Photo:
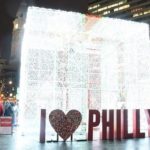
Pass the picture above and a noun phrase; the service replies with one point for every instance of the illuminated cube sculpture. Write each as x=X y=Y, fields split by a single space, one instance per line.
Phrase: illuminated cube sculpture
x=73 y=61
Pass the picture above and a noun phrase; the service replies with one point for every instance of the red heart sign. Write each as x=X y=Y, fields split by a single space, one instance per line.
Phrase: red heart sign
x=65 y=125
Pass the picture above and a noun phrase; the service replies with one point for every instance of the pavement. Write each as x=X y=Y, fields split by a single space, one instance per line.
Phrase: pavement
x=18 y=141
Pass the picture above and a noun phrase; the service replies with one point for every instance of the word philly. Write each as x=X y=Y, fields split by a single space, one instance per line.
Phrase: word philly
x=115 y=124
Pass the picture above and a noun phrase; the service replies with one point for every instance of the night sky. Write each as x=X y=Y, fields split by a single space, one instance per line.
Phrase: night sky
x=8 y=9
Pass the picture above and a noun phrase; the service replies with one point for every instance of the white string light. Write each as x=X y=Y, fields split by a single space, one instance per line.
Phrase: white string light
x=71 y=61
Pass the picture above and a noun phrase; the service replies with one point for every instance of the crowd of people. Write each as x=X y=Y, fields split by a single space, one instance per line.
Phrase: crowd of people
x=8 y=108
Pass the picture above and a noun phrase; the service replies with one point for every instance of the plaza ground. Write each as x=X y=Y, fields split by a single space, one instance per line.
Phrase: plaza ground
x=31 y=142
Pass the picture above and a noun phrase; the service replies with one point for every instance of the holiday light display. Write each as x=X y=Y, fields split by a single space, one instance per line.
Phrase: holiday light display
x=73 y=61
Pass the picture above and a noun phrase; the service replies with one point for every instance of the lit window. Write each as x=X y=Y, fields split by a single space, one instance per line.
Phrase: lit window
x=113 y=5
x=122 y=7
x=89 y=8
x=106 y=12
x=94 y=6
x=135 y=15
x=101 y=9
x=141 y=13
x=120 y=3
x=116 y=9
x=94 y=11
x=147 y=12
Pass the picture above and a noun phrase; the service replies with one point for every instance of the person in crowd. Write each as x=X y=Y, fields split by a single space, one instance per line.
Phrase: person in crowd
x=15 y=111
x=1 y=109
x=8 y=110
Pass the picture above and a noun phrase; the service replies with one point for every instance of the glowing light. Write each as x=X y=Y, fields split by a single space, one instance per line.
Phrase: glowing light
x=10 y=82
x=16 y=26
x=71 y=61
x=10 y=94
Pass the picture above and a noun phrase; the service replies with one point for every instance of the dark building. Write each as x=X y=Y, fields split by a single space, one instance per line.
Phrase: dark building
x=136 y=10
